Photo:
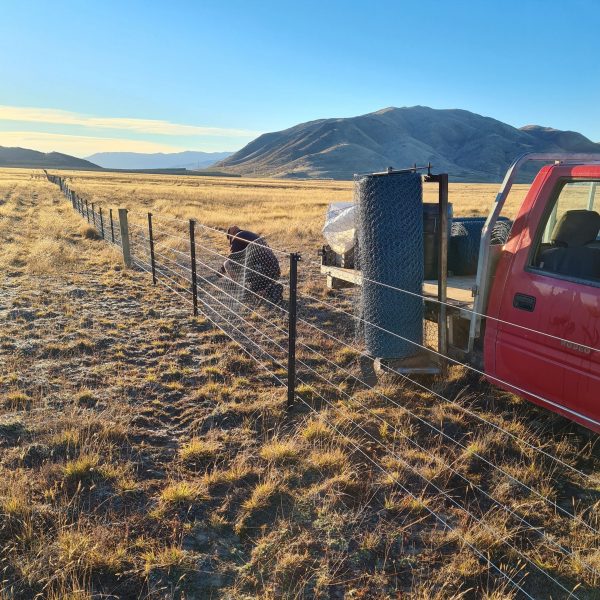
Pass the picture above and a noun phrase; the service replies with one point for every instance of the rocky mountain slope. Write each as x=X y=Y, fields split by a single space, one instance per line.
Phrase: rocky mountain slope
x=469 y=146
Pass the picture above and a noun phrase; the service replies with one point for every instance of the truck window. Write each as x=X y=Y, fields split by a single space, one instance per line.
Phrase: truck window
x=569 y=244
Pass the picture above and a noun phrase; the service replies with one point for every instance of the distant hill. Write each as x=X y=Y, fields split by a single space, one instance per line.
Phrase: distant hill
x=137 y=160
x=21 y=157
x=468 y=146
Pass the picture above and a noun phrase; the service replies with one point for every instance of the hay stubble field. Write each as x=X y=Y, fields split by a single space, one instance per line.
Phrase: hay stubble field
x=142 y=455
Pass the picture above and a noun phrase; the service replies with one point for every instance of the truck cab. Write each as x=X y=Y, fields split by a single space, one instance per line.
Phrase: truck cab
x=541 y=336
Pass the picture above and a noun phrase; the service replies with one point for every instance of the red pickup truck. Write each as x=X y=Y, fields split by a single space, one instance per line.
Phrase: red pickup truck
x=541 y=336
x=529 y=319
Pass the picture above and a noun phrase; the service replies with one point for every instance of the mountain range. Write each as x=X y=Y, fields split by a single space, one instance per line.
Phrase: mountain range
x=32 y=159
x=137 y=160
x=468 y=146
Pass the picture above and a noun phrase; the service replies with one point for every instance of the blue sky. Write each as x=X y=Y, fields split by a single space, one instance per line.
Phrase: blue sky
x=80 y=77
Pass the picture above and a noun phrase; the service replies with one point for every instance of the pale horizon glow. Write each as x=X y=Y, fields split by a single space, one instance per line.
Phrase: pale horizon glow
x=81 y=134
x=80 y=145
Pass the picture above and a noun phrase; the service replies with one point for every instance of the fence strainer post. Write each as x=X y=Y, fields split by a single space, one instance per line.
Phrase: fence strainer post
x=124 y=225
x=292 y=320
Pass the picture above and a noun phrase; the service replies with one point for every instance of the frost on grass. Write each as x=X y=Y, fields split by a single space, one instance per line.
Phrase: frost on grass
x=142 y=455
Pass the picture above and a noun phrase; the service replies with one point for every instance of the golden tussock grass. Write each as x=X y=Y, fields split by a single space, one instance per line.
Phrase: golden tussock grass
x=139 y=448
x=291 y=213
x=198 y=449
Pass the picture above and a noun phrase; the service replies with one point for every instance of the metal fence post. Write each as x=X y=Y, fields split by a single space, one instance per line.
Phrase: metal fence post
x=193 y=265
x=87 y=211
x=124 y=226
x=292 y=321
x=101 y=223
x=112 y=226
x=93 y=216
x=151 y=239
x=443 y=264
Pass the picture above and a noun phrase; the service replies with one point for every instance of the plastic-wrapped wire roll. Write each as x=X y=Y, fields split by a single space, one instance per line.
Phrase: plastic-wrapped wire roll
x=390 y=241
x=465 y=238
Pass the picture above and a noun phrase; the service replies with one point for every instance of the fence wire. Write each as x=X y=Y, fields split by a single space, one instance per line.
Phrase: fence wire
x=253 y=306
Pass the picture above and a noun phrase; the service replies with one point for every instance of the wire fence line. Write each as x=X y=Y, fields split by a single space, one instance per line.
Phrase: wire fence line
x=280 y=335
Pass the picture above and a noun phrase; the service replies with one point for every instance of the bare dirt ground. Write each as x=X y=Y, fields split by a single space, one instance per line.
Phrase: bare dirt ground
x=143 y=455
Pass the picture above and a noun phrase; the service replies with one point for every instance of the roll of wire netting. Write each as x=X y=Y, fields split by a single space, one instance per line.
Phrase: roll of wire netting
x=465 y=239
x=390 y=241
x=252 y=273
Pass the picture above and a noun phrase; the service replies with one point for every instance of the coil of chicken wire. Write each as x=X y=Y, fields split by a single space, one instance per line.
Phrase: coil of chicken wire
x=390 y=242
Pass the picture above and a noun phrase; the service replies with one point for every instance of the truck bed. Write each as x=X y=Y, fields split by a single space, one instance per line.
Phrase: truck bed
x=458 y=290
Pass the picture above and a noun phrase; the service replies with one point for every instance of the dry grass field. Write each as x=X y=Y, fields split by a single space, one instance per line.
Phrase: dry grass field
x=143 y=455
x=290 y=213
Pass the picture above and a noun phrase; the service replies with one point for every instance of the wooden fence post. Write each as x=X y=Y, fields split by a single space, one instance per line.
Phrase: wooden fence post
x=124 y=226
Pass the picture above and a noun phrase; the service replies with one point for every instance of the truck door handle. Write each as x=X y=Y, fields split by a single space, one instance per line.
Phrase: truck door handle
x=524 y=302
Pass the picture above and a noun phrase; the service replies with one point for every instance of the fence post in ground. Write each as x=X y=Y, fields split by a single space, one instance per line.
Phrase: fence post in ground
x=151 y=240
x=112 y=226
x=124 y=226
x=94 y=216
x=101 y=223
x=193 y=265
x=443 y=265
x=87 y=211
x=292 y=320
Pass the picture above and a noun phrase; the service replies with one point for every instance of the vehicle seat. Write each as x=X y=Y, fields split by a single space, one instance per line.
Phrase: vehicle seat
x=574 y=251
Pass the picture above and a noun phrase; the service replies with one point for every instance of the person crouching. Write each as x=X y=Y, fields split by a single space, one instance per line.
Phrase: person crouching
x=253 y=264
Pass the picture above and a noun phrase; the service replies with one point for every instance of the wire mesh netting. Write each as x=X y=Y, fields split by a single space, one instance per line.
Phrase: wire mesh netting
x=253 y=273
x=464 y=242
x=390 y=244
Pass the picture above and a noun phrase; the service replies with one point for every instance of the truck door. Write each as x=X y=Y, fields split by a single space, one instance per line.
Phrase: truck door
x=554 y=288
